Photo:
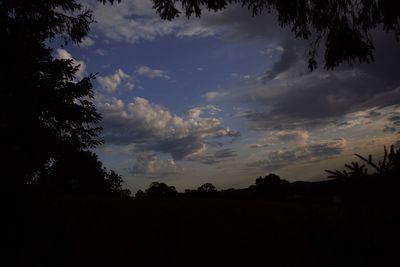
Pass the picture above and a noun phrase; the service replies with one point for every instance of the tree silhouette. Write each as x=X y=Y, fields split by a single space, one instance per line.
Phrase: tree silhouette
x=271 y=186
x=343 y=26
x=140 y=194
x=45 y=111
x=206 y=188
x=79 y=171
x=114 y=183
x=157 y=189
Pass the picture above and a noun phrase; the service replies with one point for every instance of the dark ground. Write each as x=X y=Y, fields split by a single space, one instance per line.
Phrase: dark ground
x=97 y=231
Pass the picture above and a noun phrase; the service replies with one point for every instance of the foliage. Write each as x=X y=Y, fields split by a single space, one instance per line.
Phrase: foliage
x=343 y=26
x=388 y=166
x=206 y=188
x=140 y=194
x=159 y=189
x=46 y=111
x=114 y=182
x=271 y=186
x=79 y=171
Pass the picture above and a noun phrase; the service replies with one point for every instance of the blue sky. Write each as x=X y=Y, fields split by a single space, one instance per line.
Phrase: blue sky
x=227 y=98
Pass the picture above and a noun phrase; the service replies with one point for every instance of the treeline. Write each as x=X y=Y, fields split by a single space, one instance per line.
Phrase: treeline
x=353 y=183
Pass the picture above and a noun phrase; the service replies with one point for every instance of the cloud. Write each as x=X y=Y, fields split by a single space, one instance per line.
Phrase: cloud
x=101 y=52
x=64 y=54
x=218 y=156
x=150 y=127
x=86 y=42
x=112 y=82
x=389 y=129
x=395 y=119
x=151 y=164
x=288 y=57
x=152 y=73
x=258 y=145
x=134 y=21
x=295 y=98
x=214 y=95
x=299 y=137
x=233 y=23
x=130 y=21
x=313 y=152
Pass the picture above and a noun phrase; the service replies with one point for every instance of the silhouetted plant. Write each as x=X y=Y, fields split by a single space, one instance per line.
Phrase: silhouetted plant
x=354 y=170
x=389 y=164
x=157 y=189
x=115 y=181
x=79 y=171
x=357 y=184
x=271 y=186
x=140 y=194
x=206 y=188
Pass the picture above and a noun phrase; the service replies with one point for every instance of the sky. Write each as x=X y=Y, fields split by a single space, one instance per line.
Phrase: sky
x=227 y=98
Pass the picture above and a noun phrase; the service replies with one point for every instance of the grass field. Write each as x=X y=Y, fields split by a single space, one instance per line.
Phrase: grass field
x=98 y=231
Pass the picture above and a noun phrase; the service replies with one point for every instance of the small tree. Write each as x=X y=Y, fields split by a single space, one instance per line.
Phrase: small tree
x=140 y=194
x=79 y=171
x=157 y=189
x=355 y=183
x=206 y=188
x=389 y=166
x=271 y=186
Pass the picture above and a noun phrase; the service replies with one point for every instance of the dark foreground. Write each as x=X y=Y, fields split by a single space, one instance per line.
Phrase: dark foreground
x=97 y=231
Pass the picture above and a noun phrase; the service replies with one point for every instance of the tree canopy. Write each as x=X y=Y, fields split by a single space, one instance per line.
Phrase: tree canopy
x=342 y=27
x=45 y=109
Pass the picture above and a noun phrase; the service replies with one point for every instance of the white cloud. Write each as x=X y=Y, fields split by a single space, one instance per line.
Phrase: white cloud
x=64 y=54
x=101 y=52
x=109 y=105
x=214 y=95
x=86 y=42
x=112 y=82
x=136 y=20
x=131 y=21
x=298 y=137
x=153 y=128
x=151 y=164
x=152 y=73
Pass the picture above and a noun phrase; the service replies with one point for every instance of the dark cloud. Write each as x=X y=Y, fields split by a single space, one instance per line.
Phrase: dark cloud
x=397 y=144
x=389 y=129
x=311 y=153
x=238 y=23
x=264 y=121
x=297 y=98
x=373 y=114
x=394 y=119
x=218 y=156
x=179 y=148
x=288 y=57
x=225 y=153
